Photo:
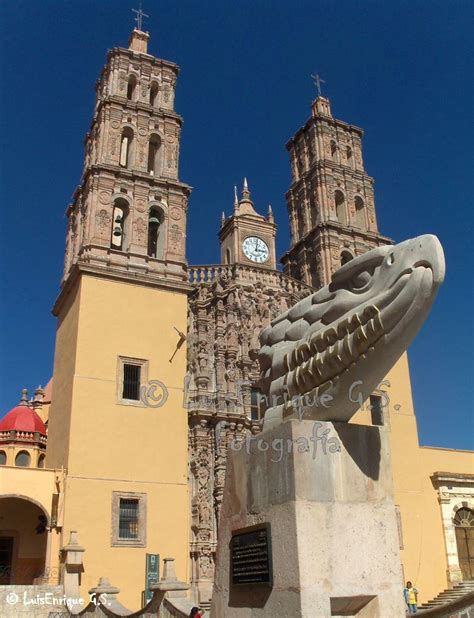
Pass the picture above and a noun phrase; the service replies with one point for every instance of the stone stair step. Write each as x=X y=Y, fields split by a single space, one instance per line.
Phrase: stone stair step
x=449 y=595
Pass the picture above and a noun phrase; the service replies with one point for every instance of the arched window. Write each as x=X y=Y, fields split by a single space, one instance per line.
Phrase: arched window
x=23 y=459
x=340 y=203
x=41 y=459
x=360 y=214
x=349 y=155
x=131 y=87
x=227 y=256
x=119 y=225
x=156 y=236
x=464 y=517
x=333 y=150
x=346 y=256
x=464 y=523
x=154 y=94
x=154 y=156
x=3 y=458
x=126 y=148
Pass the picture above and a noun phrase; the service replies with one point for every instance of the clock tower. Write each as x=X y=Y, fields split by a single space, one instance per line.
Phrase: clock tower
x=247 y=237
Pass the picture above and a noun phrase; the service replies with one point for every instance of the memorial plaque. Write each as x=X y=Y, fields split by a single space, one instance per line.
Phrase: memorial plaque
x=251 y=556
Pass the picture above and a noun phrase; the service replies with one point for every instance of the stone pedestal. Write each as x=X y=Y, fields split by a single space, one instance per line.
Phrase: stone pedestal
x=326 y=490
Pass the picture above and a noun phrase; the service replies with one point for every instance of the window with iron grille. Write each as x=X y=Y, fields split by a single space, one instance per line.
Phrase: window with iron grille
x=132 y=374
x=128 y=518
x=131 y=382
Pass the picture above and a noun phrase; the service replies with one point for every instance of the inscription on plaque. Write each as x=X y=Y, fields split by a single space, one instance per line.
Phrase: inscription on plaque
x=251 y=555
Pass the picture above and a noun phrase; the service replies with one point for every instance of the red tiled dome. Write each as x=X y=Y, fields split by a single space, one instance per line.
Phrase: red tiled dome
x=22 y=418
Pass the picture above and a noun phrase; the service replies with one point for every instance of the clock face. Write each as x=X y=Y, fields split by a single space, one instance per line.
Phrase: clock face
x=255 y=249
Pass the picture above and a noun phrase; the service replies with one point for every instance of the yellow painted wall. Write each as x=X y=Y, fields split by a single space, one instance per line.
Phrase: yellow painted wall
x=424 y=552
x=64 y=369
x=115 y=447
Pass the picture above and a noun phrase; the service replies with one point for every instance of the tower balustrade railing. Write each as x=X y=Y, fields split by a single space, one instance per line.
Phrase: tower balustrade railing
x=208 y=273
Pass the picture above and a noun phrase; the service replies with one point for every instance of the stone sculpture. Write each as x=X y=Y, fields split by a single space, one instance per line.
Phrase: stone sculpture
x=327 y=539
x=354 y=329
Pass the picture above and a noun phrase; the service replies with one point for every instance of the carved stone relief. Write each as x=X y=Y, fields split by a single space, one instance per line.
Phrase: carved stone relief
x=103 y=222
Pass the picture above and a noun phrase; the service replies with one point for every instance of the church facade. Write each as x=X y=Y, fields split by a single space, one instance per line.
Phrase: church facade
x=146 y=341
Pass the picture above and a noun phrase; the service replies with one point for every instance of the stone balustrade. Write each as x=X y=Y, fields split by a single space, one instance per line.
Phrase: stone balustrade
x=208 y=273
x=22 y=436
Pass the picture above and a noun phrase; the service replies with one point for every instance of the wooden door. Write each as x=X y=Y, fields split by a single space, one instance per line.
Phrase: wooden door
x=465 y=543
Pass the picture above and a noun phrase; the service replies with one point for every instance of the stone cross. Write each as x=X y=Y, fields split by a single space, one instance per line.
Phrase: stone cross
x=140 y=16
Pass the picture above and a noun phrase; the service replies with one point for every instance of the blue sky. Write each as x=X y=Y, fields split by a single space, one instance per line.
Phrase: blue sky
x=400 y=70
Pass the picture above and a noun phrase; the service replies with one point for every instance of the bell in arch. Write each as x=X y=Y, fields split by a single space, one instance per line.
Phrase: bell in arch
x=154 y=219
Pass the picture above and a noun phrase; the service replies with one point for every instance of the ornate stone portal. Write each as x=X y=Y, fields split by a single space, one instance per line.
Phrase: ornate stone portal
x=227 y=310
x=321 y=487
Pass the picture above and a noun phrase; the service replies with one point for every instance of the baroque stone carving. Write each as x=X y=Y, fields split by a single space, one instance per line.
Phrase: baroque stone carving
x=103 y=222
x=226 y=313
x=140 y=205
x=104 y=197
x=175 y=213
x=140 y=230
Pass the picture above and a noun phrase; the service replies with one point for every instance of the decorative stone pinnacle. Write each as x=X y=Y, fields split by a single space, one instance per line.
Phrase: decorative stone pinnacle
x=24 y=397
x=270 y=213
x=245 y=190
x=39 y=394
x=236 y=199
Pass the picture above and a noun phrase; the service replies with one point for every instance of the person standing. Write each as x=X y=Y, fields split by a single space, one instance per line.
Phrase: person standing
x=411 y=597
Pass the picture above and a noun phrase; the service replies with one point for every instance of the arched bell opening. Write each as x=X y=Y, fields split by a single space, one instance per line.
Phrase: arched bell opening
x=156 y=236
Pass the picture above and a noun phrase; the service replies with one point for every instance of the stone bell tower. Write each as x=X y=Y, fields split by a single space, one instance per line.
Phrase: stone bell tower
x=128 y=215
x=117 y=414
x=331 y=198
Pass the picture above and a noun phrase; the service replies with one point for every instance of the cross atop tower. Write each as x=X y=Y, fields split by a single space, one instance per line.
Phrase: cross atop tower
x=140 y=16
x=317 y=82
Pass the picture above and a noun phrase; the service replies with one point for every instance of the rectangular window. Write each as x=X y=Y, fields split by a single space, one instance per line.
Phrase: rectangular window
x=376 y=410
x=128 y=519
x=131 y=382
x=132 y=375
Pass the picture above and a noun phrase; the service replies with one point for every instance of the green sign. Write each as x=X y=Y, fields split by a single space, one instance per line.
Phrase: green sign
x=152 y=574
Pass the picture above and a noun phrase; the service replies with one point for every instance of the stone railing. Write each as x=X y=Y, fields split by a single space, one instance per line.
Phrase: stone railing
x=22 y=436
x=207 y=273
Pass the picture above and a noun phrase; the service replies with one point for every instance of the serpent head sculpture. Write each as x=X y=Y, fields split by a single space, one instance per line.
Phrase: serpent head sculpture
x=352 y=330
